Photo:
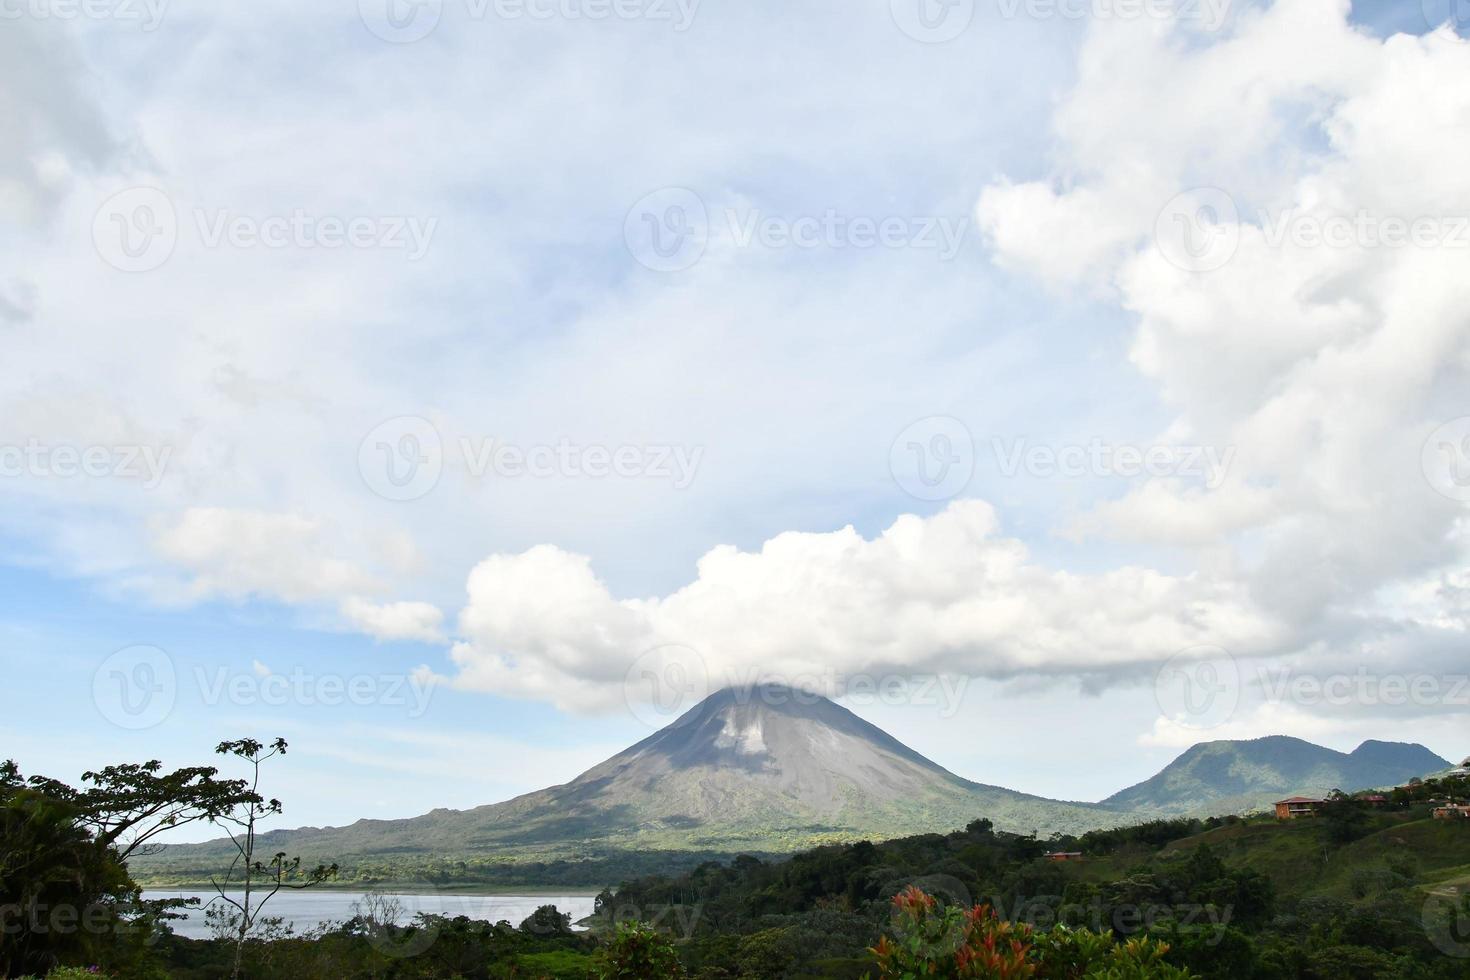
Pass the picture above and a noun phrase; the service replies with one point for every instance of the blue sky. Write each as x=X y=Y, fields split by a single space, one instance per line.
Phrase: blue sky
x=180 y=281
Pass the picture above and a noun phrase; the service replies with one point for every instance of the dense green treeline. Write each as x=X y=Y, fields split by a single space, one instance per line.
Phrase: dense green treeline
x=1359 y=891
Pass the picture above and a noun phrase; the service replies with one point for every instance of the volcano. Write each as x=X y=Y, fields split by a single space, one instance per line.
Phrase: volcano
x=765 y=769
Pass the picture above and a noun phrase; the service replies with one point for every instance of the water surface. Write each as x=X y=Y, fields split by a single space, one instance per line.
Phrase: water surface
x=310 y=908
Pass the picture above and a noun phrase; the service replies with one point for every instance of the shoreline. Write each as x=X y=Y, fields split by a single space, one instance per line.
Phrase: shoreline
x=408 y=887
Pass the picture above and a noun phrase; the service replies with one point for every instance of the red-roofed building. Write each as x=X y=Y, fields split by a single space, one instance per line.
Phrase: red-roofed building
x=1297 y=806
x=1063 y=855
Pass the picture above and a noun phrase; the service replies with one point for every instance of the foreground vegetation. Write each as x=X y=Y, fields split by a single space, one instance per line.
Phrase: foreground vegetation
x=1355 y=892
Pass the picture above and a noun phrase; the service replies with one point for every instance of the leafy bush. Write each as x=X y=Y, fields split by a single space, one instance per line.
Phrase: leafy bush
x=944 y=941
x=933 y=940
x=637 y=952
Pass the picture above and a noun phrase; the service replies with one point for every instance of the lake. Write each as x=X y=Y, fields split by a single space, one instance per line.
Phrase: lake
x=309 y=908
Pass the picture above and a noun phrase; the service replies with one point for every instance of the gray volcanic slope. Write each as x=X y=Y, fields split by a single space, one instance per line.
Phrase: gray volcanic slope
x=748 y=769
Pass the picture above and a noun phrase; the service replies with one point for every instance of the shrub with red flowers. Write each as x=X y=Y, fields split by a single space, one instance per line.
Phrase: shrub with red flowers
x=931 y=939
x=944 y=941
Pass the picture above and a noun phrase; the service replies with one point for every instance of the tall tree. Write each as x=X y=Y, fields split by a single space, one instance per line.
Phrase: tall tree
x=258 y=881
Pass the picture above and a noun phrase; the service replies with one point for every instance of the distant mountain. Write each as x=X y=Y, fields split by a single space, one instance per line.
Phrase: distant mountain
x=761 y=769
x=770 y=770
x=1235 y=776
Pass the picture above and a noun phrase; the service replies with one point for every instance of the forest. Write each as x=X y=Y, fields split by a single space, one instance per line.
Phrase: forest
x=1366 y=888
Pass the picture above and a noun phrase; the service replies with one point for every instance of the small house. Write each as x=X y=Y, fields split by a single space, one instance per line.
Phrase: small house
x=1063 y=855
x=1297 y=806
x=1452 y=811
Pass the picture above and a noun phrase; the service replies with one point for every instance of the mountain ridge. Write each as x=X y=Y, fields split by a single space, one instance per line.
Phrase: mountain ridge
x=1245 y=774
x=769 y=769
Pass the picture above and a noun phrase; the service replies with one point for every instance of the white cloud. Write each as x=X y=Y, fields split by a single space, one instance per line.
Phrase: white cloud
x=289 y=558
x=944 y=594
x=238 y=554
x=1324 y=367
x=263 y=369
x=420 y=621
